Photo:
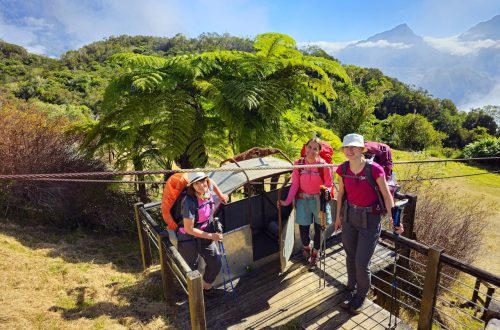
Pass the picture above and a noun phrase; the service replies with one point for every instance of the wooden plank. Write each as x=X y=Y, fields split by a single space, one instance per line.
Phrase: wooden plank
x=143 y=238
x=266 y=299
x=196 y=300
x=431 y=282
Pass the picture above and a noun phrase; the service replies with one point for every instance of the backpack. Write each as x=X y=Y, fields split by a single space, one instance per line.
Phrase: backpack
x=174 y=193
x=171 y=204
x=382 y=155
x=326 y=152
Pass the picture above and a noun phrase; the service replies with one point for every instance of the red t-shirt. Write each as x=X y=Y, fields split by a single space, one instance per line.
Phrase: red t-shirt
x=360 y=192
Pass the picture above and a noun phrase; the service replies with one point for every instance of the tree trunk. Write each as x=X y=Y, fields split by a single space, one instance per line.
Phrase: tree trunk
x=143 y=194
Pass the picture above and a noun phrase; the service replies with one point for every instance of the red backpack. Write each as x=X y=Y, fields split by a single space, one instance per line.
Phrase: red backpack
x=326 y=152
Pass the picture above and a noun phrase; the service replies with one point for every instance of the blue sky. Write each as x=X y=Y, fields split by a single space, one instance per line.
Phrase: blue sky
x=52 y=27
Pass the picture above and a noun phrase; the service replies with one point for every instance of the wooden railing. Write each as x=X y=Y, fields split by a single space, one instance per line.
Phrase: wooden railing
x=173 y=266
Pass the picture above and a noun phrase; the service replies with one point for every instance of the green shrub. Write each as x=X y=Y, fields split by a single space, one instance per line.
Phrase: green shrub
x=489 y=147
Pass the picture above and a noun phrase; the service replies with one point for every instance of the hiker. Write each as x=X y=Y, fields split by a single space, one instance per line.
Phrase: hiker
x=196 y=236
x=173 y=193
x=305 y=189
x=359 y=214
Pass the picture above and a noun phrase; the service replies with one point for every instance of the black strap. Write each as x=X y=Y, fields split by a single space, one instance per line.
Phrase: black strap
x=369 y=177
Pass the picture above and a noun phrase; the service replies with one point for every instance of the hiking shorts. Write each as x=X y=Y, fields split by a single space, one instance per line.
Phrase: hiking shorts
x=308 y=208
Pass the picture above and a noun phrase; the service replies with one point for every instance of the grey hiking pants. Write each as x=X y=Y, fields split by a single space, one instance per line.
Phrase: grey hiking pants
x=359 y=245
x=191 y=249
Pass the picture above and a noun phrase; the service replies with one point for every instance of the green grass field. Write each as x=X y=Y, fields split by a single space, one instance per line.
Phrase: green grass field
x=73 y=280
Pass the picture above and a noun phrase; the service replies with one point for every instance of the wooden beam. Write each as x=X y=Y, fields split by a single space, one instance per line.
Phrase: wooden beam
x=143 y=238
x=196 y=302
x=431 y=283
x=167 y=276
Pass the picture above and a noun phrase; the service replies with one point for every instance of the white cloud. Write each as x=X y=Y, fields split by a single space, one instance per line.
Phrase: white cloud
x=478 y=101
x=37 y=23
x=383 y=44
x=455 y=46
x=60 y=25
x=24 y=35
x=330 y=47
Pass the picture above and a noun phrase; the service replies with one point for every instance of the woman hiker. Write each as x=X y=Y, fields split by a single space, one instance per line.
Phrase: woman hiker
x=359 y=214
x=197 y=236
x=305 y=189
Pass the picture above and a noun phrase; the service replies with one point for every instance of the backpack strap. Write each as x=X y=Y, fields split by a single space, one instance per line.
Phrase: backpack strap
x=344 y=173
x=320 y=172
x=373 y=183
x=368 y=177
x=197 y=208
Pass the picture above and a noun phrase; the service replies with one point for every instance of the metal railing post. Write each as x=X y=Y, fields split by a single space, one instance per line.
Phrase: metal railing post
x=143 y=239
x=431 y=283
x=196 y=302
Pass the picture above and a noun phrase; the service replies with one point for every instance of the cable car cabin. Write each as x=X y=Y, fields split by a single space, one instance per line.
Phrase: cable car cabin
x=254 y=231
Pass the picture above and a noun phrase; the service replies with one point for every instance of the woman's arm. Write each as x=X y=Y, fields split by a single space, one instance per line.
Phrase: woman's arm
x=388 y=201
x=191 y=230
x=327 y=178
x=293 y=189
x=340 y=198
x=222 y=197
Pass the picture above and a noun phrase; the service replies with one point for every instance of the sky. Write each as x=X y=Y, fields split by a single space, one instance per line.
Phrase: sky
x=52 y=27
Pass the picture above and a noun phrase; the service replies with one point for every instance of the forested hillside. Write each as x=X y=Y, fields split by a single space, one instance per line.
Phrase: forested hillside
x=146 y=102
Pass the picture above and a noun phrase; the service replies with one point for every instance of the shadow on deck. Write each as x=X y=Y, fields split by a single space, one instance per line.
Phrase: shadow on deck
x=294 y=299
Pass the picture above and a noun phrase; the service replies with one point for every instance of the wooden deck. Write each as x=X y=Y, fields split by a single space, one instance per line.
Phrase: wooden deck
x=267 y=299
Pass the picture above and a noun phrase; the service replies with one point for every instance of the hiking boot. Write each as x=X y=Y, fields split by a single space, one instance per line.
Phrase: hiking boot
x=212 y=293
x=306 y=252
x=356 y=305
x=346 y=303
x=313 y=260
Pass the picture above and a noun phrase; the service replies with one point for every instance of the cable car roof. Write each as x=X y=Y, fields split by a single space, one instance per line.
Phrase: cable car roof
x=230 y=181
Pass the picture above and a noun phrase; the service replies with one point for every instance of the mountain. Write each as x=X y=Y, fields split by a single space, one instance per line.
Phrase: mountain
x=483 y=30
x=465 y=69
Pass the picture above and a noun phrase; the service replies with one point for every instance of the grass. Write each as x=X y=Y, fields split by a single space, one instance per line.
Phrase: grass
x=74 y=280
x=485 y=188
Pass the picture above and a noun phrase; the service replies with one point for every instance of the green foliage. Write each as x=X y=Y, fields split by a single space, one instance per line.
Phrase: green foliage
x=489 y=147
x=479 y=118
x=411 y=132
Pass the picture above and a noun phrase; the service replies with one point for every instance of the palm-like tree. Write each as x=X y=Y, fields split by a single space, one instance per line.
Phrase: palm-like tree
x=191 y=106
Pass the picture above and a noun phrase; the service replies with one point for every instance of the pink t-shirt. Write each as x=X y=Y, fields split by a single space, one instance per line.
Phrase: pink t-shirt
x=204 y=210
x=360 y=192
x=310 y=180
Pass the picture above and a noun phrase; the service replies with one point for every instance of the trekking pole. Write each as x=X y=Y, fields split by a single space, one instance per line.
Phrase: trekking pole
x=216 y=228
x=224 y=259
x=322 y=219
x=396 y=217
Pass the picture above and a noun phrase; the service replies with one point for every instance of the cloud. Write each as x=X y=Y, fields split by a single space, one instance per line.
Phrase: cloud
x=383 y=44
x=480 y=100
x=455 y=46
x=330 y=47
x=25 y=35
x=61 y=25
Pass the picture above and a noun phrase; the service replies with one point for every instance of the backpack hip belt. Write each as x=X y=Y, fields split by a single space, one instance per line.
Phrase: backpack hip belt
x=307 y=196
x=368 y=209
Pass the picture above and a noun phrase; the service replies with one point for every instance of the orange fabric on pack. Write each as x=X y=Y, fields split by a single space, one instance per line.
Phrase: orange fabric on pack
x=173 y=188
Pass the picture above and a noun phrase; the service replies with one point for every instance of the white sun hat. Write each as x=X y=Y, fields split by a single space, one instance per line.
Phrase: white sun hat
x=353 y=140
x=196 y=176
